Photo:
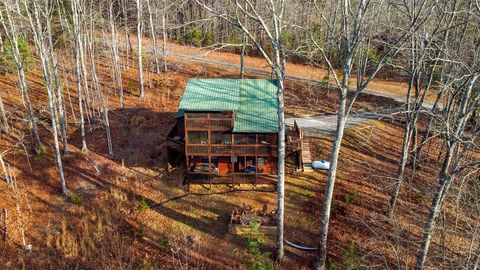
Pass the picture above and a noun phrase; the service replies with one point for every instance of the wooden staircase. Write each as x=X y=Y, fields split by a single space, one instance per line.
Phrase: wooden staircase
x=306 y=157
x=297 y=143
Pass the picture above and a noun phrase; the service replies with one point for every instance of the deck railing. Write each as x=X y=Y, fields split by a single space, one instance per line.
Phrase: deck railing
x=202 y=124
x=230 y=150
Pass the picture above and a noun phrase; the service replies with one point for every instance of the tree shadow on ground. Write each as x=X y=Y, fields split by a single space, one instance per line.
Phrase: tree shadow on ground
x=138 y=137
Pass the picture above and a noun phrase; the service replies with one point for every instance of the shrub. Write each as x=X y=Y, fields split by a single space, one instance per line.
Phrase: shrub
x=351 y=260
x=256 y=259
x=41 y=152
x=208 y=39
x=350 y=197
x=143 y=205
x=132 y=89
x=331 y=265
x=7 y=61
x=325 y=80
x=196 y=37
x=75 y=199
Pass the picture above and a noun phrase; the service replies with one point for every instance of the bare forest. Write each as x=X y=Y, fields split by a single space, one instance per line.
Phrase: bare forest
x=387 y=92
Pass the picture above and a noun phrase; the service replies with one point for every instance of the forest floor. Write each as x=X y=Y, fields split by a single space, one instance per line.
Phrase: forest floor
x=105 y=221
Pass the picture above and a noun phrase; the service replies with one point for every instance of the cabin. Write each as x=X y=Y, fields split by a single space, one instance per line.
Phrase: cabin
x=227 y=131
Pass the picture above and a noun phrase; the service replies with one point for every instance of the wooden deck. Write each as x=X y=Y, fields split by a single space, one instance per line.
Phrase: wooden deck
x=232 y=178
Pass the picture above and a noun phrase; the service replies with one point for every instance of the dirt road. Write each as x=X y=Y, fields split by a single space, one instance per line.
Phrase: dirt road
x=204 y=60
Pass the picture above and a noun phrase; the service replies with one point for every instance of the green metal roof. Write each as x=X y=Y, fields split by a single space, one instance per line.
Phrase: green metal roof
x=253 y=101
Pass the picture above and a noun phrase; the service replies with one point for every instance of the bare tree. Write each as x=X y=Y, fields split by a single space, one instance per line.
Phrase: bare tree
x=139 y=46
x=243 y=48
x=420 y=67
x=455 y=127
x=79 y=70
x=38 y=32
x=12 y=34
x=354 y=43
x=117 y=74
x=164 y=35
x=153 y=35
x=268 y=18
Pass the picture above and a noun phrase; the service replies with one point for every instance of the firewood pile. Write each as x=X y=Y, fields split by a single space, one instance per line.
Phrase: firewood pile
x=244 y=214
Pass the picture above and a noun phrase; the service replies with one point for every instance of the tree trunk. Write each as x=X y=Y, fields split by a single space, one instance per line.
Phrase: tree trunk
x=139 y=45
x=117 y=74
x=40 y=41
x=107 y=129
x=426 y=135
x=281 y=173
x=476 y=261
x=1 y=44
x=446 y=176
x=5 y=127
x=440 y=190
x=401 y=169
x=406 y=136
x=164 y=36
x=244 y=43
x=21 y=75
x=61 y=112
x=78 y=70
x=129 y=49
x=321 y=261
x=154 y=37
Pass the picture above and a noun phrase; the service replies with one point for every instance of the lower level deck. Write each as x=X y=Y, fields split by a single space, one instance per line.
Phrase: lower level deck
x=232 y=178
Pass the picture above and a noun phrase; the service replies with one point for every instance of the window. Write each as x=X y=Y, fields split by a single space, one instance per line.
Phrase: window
x=221 y=138
x=198 y=137
x=266 y=165
x=261 y=161
x=245 y=139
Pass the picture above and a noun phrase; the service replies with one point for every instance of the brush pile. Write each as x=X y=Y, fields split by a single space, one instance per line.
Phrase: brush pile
x=244 y=214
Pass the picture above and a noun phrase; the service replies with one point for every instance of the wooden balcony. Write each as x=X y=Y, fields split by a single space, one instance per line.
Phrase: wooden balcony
x=208 y=124
x=232 y=150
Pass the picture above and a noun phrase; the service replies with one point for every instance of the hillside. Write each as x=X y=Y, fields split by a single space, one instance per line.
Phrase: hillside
x=106 y=221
